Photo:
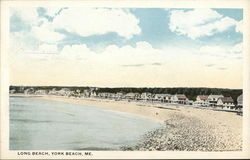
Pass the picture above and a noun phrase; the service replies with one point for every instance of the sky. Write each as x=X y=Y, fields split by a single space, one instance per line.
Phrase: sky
x=126 y=47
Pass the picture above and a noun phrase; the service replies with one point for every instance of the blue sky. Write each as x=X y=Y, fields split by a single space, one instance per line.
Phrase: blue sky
x=202 y=34
x=153 y=23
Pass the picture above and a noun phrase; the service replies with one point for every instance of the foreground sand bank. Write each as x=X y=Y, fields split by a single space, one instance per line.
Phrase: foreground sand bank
x=191 y=128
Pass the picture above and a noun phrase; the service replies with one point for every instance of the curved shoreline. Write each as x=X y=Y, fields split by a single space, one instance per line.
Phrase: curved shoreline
x=191 y=128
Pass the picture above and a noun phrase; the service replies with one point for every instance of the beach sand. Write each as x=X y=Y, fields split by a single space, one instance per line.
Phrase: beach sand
x=188 y=128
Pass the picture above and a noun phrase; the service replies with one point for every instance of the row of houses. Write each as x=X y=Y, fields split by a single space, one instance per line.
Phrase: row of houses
x=201 y=100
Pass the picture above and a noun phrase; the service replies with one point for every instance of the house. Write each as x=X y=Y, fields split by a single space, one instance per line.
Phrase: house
x=168 y=98
x=179 y=98
x=226 y=102
x=29 y=91
x=12 y=91
x=240 y=102
x=146 y=96
x=86 y=93
x=93 y=94
x=77 y=93
x=104 y=95
x=53 y=92
x=65 y=92
x=41 y=92
x=133 y=96
x=161 y=97
x=212 y=99
x=202 y=100
x=119 y=95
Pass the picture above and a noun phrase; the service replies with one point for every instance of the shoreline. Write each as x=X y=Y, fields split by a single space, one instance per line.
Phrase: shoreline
x=191 y=128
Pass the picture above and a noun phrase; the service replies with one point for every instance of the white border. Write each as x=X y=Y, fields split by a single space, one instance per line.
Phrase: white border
x=245 y=4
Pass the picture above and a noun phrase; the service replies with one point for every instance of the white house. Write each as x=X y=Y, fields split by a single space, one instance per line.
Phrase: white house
x=29 y=91
x=119 y=95
x=41 y=92
x=202 y=100
x=103 y=94
x=65 y=92
x=240 y=102
x=179 y=98
x=53 y=92
x=212 y=99
x=93 y=94
x=168 y=98
x=146 y=96
x=86 y=93
x=133 y=96
x=12 y=91
x=226 y=102
x=161 y=97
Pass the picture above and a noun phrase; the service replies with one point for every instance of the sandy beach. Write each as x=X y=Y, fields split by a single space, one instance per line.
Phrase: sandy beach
x=187 y=128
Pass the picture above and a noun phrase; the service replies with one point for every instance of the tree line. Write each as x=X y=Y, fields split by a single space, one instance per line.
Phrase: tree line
x=191 y=93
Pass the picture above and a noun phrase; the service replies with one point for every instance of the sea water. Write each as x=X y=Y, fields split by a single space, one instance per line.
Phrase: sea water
x=37 y=124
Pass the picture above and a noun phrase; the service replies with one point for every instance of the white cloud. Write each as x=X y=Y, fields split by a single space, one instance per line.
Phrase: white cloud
x=95 y=21
x=237 y=48
x=76 y=52
x=239 y=26
x=47 y=35
x=48 y=48
x=199 y=22
x=28 y=14
x=222 y=51
x=52 y=11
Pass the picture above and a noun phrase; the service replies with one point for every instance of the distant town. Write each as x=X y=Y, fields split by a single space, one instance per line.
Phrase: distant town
x=215 y=98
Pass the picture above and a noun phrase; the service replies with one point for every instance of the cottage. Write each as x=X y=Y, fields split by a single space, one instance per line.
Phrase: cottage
x=168 y=98
x=202 y=100
x=133 y=96
x=226 y=102
x=160 y=97
x=240 y=102
x=179 y=98
x=212 y=99
x=93 y=94
x=146 y=96
x=65 y=92
x=86 y=93
x=53 y=92
x=12 y=91
x=41 y=92
x=119 y=95
x=103 y=94
x=29 y=91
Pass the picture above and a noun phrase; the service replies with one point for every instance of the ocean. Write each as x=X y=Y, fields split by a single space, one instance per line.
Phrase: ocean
x=37 y=124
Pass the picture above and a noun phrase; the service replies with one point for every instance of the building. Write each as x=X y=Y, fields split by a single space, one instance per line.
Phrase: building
x=29 y=91
x=12 y=91
x=93 y=94
x=65 y=92
x=146 y=96
x=53 y=92
x=119 y=95
x=160 y=97
x=86 y=93
x=202 y=100
x=179 y=98
x=132 y=96
x=41 y=92
x=103 y=94
x=168 y=98
x=226 y=103
x=212 y=99
x=240 y=102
